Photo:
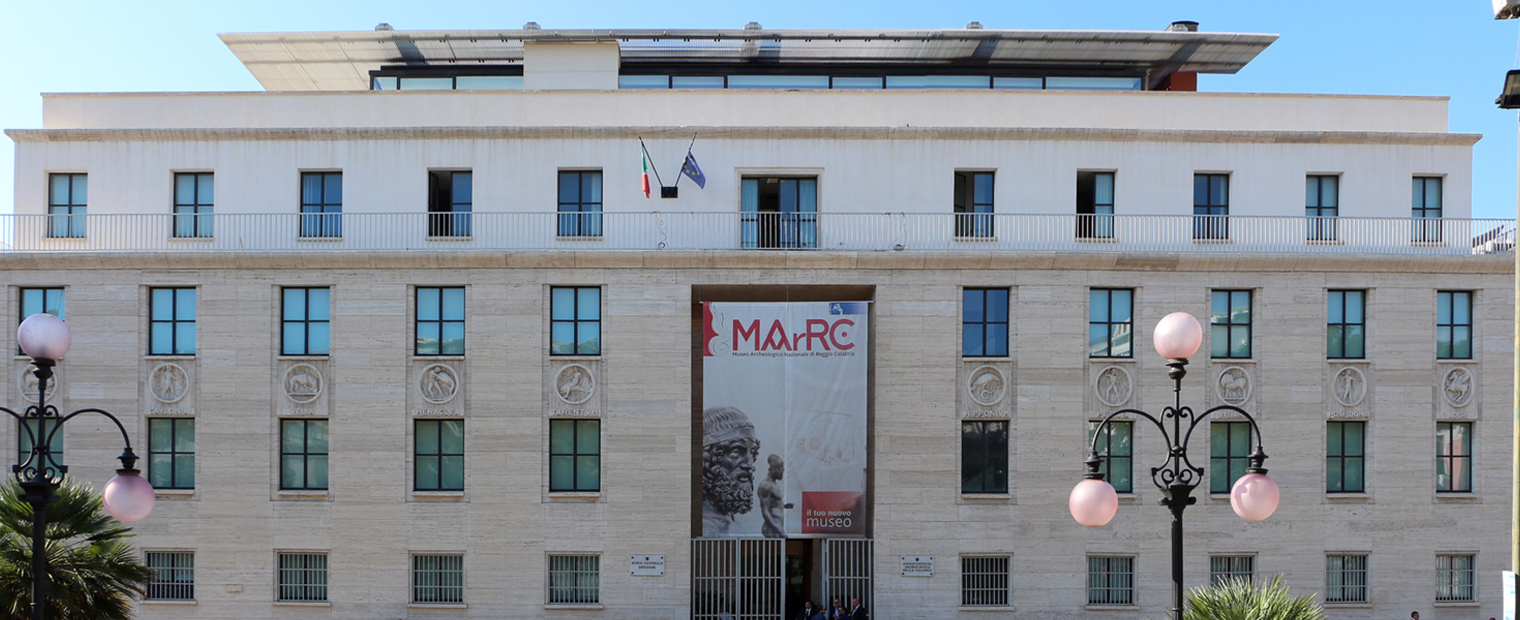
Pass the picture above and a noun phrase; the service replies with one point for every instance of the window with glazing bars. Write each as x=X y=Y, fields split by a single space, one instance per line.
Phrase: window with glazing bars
x=1115 y=449
x=1230 y=324
x=1110 y=580
x=173 y=575
x=984 y=457
x=302 y=577
x=1345 y=325
x=303 y=454
x=973 y=204
x=440 y=321
x=1211 y=206
x=450 y=199
x=1426 y=209
x=321 y=204
x=1454 y=325
x=194 y=197
x=1454 y=457
x=1345 y=457
x=1454 y=578
x=580 y=203
x=1095 y=205
x=1229 y=452
x=1224 y=568
x=438 y=578
x=171 y=453
x=171 y=321
x=1345 y=579
x=1322 y=205
x=39 y=301
x=306 y=321
x=575 y=455
x=30 y=428
x=984 y=322
x=574 y=579
x=439 y=455
x=67 y=201
x=575 y=320
x=1109 y=322
x=984 y=581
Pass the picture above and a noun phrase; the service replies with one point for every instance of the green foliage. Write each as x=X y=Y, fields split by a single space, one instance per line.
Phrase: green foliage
x=92 y=571
x=1239 y=599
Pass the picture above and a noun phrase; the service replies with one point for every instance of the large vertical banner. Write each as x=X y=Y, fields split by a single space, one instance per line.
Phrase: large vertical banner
x=784 y=419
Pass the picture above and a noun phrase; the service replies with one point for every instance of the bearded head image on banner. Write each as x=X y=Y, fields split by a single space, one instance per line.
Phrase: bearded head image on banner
x=729 y=451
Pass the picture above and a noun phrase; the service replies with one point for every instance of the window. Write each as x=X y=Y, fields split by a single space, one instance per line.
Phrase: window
x=1224 y=568
x=1345 y=579
x=67 y=198
x=1230 y=324
x=973 y=204
x=984 y=457
x=193 y=198
x=1427 y=209
x=1454 y=578
x=173 y=575
x=574 y=579
x=1454 y=457
x=1345 y=325
x=1230 y=447
x=1109 y=322
x=575 y=320
x=171 y=453
x=303 y=577
x=1095 y=205
x=984 y=581
x=439 y=455
x=1211 y=206
x=778 y=212
x=32 y=429
x=1115 y=448
x=1345 y=457
x=440 y=321
x=321 y=204
x=303 y=454
x=575 y=455
x=41 y=300
x=1454 y=325
x=580 y=203
x=1110 y=580
x=305 y=321
x=449 y=203
x=171 y=321
x=438 y=578
x=984 y=322
x=1322 y=205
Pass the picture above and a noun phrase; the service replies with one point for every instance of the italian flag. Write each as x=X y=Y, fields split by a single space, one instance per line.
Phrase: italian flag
x=644 y=161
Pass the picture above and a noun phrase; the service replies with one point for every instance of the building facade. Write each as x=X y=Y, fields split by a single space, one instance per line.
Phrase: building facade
x=404 y=336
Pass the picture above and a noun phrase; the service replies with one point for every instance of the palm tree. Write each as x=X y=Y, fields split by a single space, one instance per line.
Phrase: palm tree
x=1240 y=599
x=92 y=571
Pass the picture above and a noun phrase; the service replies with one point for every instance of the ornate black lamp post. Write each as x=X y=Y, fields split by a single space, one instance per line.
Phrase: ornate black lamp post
x=128 y=497
x=1254 y=497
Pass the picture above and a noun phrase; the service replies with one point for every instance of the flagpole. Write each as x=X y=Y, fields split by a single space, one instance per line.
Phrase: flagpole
x=682 y=172
x=651 y=162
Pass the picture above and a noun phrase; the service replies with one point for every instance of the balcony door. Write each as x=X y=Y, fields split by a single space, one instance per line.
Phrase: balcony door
x=779 y=213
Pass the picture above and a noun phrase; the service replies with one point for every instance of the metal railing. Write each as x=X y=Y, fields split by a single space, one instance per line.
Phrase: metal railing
x=762 y=231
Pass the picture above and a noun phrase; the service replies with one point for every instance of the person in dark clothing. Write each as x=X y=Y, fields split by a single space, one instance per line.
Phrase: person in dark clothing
x=858 y=611
x=807 y=612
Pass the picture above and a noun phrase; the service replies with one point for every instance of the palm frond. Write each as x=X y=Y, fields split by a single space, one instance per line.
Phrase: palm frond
x=1241 y=599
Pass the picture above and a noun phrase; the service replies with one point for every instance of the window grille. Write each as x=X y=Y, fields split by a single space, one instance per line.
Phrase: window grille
x=574 y=579
x=173 y=575
x=1110 y=580
x=1454 y=578
x=303 y=577
x=1345 y=579
x=984 y=581
x=1224 y=568
x=438 y=579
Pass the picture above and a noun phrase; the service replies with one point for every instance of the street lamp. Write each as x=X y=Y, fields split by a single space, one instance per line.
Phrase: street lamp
x=45 y=338
x=1254 y=497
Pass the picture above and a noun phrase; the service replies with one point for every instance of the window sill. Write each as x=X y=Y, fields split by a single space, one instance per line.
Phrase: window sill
x=303 y=494
x=986 y=497
x=303 y=603
x=303 y=357
x=174 y=493
x=1003 y=608
x=448 y=357
x=1349 y=497
x=190 y=238
x=1129 y=498
x=986 y=358
x=437 y=496
x=437 y=605
x=1456 y=603
x=320 y=239
x=1458 y=497
x=575 y=496
x=578 y=238
x=151 y=601
x=1357 y=605
x=1112 y=608
x=170 y=357
x=573 y=606
x=1454 y=360
x=575 y=358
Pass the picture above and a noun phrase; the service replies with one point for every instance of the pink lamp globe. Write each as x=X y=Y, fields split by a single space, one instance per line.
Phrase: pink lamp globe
x=1178 y=336
x=44 y=336
x=128 y=497
x=1254 y=497
x=1093 y=502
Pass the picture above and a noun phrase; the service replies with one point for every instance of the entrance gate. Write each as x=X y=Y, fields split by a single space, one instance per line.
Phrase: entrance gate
x=847 y=570
x=744 y=578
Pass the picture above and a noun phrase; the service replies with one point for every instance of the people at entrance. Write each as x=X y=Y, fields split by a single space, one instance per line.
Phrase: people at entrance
x=771 y=501
x=858 y=611
x=729 y=450
x=808 y=611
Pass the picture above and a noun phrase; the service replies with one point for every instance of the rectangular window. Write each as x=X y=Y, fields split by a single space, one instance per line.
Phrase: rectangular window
x=575 y=320
x=1224 y=568
x=1211 y=206
x=439 y=455
x=450 y=199
x=1322 y=205
x=321 y=204
x=303 y=454
x=1230 y=324
x=575 y=455
x=1426 y=209
x=173 y=575
x=67 y=199
x=1110 y=580
x=171 y=453
x=32 y=429
x=1116 y=449
x=1229 y=449
x=1345 y=579
x=574 y=579
x=1454 y=578
x=194 y=196
x=1345 y=457
x=39 y=301
x=438 y=578
x=984 y=457
x=171 y=321
x=305 y=321
x=984 y=581
x=1345 y=325
x=973 y=204
x=440 y=321
x=778 y=213
x=1095 y=205
x=1454 y=457
x=1110 y=322
x=580 y=203
x=984 y=322
x=1454 y=325
x=302 y=577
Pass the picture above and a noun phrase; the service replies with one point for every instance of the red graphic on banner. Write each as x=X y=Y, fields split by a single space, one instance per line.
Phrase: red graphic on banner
x=708 y=333
x=833 y=512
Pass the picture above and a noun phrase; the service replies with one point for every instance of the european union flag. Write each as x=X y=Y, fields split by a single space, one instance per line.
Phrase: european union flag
x=691 y=169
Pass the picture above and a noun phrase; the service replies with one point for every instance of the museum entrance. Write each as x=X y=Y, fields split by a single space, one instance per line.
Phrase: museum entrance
x=769 y=578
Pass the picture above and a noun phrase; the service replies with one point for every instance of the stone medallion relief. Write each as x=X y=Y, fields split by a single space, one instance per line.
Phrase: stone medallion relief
x=438 y=384
x=986 y=386
x=1234 y=385
x=169 y=383
x=1457 y=387
x=303 y=383
x=1349 y=387
x=575 y=384
x=1113 y=386
x=28 y=383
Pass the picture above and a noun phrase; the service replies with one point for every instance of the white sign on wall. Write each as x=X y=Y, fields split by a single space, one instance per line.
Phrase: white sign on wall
x=646 y=565
x=918 y=566
x=1509 y=595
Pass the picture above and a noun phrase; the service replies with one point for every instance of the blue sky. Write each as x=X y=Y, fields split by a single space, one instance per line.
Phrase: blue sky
x=1394 y=47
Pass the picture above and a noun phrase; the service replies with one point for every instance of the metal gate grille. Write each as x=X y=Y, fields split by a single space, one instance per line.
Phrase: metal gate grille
x=738 y=578
x=847 y=570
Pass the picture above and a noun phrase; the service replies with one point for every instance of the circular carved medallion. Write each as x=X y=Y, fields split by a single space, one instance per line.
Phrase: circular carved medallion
x=575 y=384
x=29 y=383
x=1349 y=386
x=1234 y=385
x=169 y=383
x=1458 y=387
x=303 y=383
x=1113 y=386
x=438 y=384
x=986 y=386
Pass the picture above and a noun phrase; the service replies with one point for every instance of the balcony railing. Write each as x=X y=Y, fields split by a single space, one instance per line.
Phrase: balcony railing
x=759 y=231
